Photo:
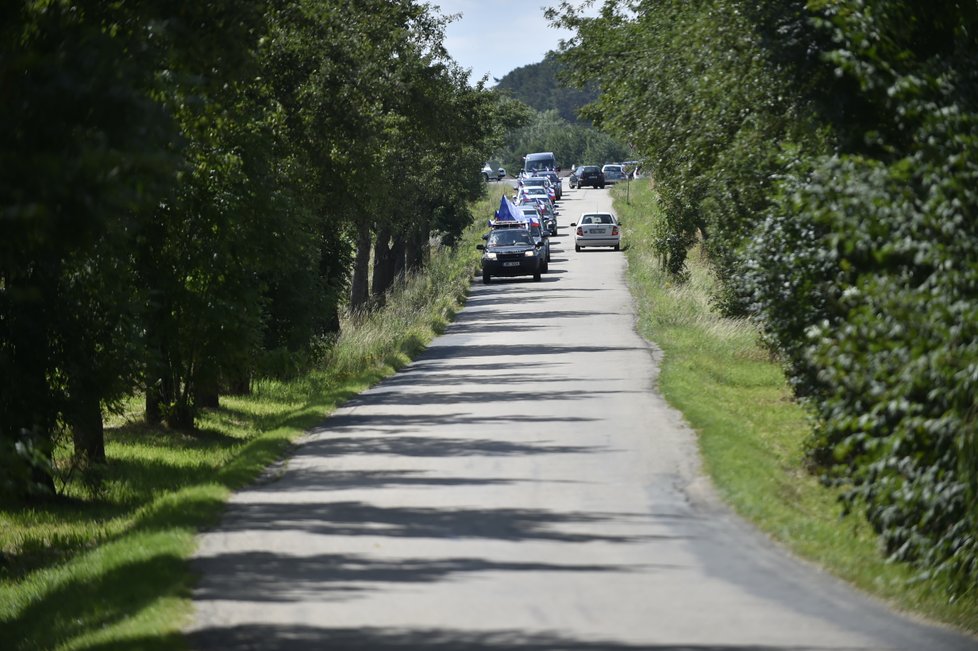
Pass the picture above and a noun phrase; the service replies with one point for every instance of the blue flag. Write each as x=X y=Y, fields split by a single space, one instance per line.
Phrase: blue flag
x=508 y=211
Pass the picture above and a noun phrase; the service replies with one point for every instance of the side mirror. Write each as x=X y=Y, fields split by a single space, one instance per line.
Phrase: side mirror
x=486 y=236
x=558 y=170
x=480 y=247
x=573 y=223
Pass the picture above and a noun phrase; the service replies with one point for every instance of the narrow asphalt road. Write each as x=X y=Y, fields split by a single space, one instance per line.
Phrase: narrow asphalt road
x=521 y=486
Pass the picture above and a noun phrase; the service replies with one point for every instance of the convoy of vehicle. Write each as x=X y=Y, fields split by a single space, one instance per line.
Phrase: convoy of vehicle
x=518 y=241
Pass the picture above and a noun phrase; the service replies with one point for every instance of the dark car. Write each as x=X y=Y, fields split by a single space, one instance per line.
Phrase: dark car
x=510 y=252
x=590 y=175
x=533 y=223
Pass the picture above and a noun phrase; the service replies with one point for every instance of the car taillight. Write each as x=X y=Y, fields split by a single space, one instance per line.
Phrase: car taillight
x=614 y=230
x=580 y=231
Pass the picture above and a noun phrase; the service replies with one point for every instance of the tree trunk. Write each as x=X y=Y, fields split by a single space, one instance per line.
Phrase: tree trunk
x=416 y=250
x=159 y=394
x=182 y=411
x=383 y=268
x=360 y=286
x=154 y=407
x=87 y=430
x=398 y=251
x=182 y=415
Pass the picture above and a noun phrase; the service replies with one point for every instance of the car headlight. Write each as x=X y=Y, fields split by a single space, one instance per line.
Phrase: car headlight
x=490 y=256
x=529 y=254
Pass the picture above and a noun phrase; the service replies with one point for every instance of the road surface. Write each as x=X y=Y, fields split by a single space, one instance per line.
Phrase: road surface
x=520 y=486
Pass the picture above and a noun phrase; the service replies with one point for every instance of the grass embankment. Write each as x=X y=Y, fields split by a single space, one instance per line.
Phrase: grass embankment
x=751 y=432
x=105 y=567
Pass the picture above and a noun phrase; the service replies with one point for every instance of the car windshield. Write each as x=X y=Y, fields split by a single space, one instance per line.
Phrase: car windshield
x=510 y=237
x=597 y=219
x=589 y=169
x=534 y=182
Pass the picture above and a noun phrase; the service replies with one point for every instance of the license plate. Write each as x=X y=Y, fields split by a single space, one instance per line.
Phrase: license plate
x=511 y=264
x=597 y=231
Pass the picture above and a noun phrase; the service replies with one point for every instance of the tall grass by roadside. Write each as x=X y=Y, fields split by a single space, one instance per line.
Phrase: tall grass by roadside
x=105 y=567
x=751 y=432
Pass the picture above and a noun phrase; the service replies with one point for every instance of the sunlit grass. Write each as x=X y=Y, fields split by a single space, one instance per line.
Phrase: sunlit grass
x=105 y=566
x=750 y=430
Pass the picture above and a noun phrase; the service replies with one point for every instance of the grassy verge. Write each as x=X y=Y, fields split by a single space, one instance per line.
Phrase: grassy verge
x=106 y=566
x=751 y=432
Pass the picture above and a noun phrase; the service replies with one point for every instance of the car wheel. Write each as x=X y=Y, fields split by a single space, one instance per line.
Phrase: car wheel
x=577 y=247
x=602 y=186
x=617 y=247
x=536 y=276
x=485 y=278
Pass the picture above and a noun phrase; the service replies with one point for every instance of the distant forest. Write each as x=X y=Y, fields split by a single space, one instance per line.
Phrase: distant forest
x=537 y=85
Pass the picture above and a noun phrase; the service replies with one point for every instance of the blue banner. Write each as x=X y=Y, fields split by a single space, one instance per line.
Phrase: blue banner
x=508 y=211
